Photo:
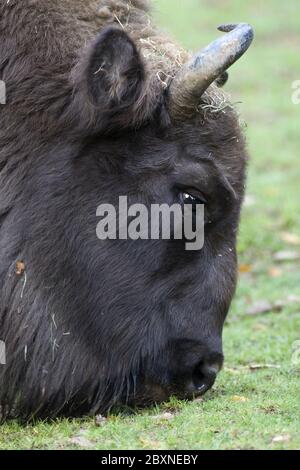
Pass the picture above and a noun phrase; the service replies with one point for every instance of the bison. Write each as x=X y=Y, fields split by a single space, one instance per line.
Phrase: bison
x=99 y=104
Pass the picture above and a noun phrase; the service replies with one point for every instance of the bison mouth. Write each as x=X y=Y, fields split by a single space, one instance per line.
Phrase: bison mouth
x=187 y=387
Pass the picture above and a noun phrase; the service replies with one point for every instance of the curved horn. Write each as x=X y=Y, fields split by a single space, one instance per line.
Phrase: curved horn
x=197 y=75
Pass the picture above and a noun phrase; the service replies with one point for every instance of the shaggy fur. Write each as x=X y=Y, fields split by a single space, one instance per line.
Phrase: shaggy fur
x=88 y=324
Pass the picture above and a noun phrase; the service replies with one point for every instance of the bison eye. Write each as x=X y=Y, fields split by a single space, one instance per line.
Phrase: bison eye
x=192 y=198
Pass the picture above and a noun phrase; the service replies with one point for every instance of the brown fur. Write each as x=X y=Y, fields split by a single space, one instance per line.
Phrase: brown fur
x=43 y=40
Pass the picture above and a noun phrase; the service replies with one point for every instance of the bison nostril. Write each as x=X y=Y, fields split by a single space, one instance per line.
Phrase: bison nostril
x=203 y=378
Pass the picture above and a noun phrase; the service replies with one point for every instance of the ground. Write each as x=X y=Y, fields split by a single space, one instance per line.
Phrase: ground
x=256 y=400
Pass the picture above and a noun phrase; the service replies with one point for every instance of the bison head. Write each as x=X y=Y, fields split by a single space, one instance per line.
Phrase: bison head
x=90 y=323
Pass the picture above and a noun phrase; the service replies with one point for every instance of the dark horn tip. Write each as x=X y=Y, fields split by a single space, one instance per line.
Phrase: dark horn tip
x=244 y=30
x=226 y=28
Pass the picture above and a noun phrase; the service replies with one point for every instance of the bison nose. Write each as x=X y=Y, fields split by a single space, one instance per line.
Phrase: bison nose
x=203 y=377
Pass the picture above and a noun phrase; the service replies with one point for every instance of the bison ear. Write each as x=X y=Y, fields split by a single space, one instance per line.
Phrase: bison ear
x=114 y=72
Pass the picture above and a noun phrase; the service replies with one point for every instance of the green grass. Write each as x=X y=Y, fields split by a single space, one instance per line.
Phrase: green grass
x=247 y=409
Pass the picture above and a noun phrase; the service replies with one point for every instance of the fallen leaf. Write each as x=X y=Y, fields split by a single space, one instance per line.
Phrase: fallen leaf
x=260 y=307
x=245 y=268
x=251 y=367
x=283 y=256
x=263 y=366
x=164 y=416
x=279 y=305
x=274 y=272
x=20 y=268
x=264 y=306
x=290 y=238
x=81 y=441
x=283 y=438
x=240 y=399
